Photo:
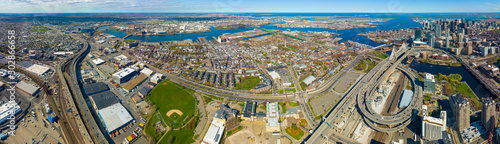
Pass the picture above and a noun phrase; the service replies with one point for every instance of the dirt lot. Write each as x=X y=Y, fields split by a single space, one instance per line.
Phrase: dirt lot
x=346 y=82
x=250 y=132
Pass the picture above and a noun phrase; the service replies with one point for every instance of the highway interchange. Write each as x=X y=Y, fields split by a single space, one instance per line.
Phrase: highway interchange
x=352 y=109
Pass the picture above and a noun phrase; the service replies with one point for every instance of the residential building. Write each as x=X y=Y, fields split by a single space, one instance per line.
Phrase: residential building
x=488 y=116
x=461 y=110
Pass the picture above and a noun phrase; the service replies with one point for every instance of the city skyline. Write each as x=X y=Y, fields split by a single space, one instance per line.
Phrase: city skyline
x=240 y=6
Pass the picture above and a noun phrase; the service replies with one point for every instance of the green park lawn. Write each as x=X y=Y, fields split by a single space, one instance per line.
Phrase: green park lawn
x=150 y=128
x=248 y=83
x=167 y=96
x=183 y=136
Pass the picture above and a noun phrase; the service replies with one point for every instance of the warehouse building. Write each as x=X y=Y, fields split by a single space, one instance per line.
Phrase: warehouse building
x=156 y=78
x=98 y=61
x=405 y=98
x=38 y=69
x=144 y=91
x=29 y=89
x=309 y=80
x=214 y=133
x=95 y=88
x=114 y=117
x=103 y=100
x=124 y=75
x=147 y=71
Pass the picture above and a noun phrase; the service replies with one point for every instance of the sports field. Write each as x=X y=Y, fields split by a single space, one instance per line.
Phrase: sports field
x=168 y=96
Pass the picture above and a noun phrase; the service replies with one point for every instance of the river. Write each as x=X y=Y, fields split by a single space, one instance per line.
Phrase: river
x=398 y=21
x=474 y=83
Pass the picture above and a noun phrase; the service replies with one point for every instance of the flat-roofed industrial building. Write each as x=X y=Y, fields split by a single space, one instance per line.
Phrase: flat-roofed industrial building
x=29 y=89
x=124 y=75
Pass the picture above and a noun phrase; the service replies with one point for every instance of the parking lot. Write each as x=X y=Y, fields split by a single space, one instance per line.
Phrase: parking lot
x=33 y=128
x=322 y=104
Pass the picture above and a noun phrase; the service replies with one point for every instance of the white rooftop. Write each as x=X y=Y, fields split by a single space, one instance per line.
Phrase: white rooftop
x=29 y=88
x=147 y=71
x=309 y=79
x=272 y=114
x=38 y=69
x=114 y=116
x=124 y=72
x=274 y=75
x=97 y=61
x=120 y=57
x=429 y=77
x=214 y=133
x=7 y=109
x=433 y=120
x=157 y=76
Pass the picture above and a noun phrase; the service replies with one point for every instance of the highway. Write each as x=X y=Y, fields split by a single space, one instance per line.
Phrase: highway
x=79 y=100
x=345 y=114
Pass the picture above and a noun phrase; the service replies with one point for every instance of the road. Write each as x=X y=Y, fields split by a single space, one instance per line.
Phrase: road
x=344 y=113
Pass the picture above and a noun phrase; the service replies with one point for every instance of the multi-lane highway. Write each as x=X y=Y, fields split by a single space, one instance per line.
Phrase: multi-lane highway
x=344 y=117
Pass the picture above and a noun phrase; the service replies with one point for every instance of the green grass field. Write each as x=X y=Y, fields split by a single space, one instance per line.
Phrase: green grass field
x=291 y=90
x=150 y=128
x=248 y=83
x=183 y=136
x=371 y=64
x=295 y=132
x=361 y=65
x=383 y=56
x=465 y=90
x=167 y=96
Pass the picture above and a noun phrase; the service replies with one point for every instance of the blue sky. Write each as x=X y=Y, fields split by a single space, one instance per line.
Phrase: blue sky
x=396 y=6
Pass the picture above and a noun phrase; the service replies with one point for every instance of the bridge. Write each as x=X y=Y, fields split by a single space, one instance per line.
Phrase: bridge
x=345 y=111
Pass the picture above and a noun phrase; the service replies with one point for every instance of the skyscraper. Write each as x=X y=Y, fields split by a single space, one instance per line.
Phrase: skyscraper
x=438 y=30
x=418 y=34
x=460 y=37
x=488 y=114
x=461 y=110
x=447 y=39
x=431 y=40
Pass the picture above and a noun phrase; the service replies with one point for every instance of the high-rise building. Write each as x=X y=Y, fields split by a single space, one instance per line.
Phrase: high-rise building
x=418 y=34
x=432 y=127
x=488 y=114
x=460 y=37
x=429 y=83
x=438 y=30
x=469 y=50
x=461 y=109
x=431 y=40
x=447 y=39
x=484 y=51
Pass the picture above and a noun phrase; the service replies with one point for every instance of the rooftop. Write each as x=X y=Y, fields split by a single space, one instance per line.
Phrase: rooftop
x=309 y=79
x=94 y=88
x=104 y=99
x=29 y=88
x=123 y=73
x=214 y=133
x=429 y=77
x=114 y=116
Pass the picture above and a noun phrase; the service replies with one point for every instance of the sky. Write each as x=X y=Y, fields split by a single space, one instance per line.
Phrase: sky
x=221 y=6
